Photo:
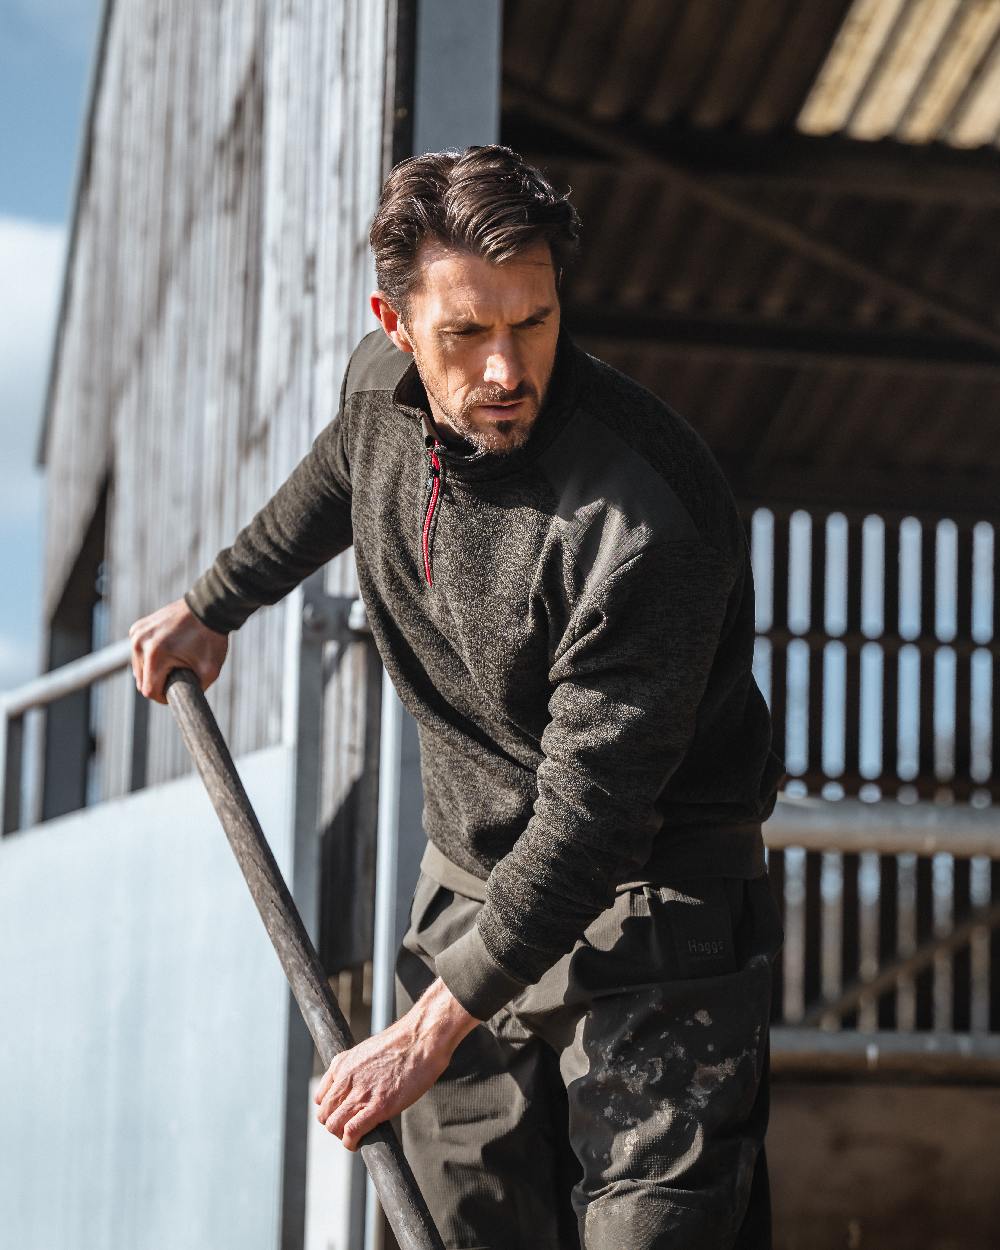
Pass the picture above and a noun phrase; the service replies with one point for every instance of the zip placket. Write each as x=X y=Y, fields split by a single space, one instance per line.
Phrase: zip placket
x=434 y=481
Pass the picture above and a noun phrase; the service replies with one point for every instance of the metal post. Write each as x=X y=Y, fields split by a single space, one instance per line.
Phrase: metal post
x=302 y=720
x=401 y=842
x=386 y=865
x=140 y=742
x=314 y=619
x=11 y=750
x=457 y=61
x=387 y=859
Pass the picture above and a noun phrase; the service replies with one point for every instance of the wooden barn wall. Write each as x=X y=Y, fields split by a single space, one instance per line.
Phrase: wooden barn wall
x=79 y=417
x=217 y=286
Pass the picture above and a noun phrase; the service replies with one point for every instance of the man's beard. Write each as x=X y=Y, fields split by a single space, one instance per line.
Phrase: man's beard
x=499 y=437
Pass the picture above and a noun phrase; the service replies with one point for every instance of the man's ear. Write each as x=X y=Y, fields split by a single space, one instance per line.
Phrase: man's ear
x=390 y=321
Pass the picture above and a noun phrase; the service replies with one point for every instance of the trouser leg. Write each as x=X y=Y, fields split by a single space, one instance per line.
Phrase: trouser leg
x=660 y=1019
x=666 y=1069
x=755 y=1230
x=488 y=1142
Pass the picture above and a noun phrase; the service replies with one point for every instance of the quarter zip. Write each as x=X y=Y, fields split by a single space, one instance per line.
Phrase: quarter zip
x=434 y=481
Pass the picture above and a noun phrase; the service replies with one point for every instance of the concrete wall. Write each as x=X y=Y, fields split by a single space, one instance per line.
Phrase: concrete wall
x=143 y=1043
x=884 y=1165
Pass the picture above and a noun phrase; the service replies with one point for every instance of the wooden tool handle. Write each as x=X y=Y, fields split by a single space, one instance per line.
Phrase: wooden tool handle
x=401 y=1199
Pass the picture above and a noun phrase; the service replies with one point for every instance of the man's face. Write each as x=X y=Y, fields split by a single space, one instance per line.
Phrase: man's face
x=484 y=340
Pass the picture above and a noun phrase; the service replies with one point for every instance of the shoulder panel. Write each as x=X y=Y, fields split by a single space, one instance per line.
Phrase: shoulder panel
x=612 y=501
x=376 y=365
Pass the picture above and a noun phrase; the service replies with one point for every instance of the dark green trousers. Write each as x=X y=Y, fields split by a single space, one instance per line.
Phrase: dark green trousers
x=621 y=1102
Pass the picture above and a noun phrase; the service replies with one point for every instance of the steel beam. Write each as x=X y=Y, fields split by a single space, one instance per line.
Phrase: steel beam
x=787 y=343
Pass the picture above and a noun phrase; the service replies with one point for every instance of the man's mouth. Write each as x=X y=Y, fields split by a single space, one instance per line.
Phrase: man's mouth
x=504 y=409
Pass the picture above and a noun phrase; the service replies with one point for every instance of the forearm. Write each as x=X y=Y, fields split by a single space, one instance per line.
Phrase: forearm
x=440 y=1019
x=383 y=1075
x=304 y=524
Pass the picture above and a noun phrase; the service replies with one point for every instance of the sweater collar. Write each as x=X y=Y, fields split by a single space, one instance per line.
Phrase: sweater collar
x=477 y=465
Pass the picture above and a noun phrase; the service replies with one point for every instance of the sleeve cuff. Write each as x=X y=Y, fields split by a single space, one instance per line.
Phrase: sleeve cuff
x=203 y=600
x=475 y=978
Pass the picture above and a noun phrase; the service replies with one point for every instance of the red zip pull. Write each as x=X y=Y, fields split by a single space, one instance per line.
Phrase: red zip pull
x=436 y=471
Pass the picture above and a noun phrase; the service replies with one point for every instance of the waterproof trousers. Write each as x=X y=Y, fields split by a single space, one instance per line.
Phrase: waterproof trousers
x=621 y=1102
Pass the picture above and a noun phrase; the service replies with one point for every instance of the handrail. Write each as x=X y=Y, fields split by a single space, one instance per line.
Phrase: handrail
x=78 y=674
x=324 y=616
x=887 y=826
x=806 y=1052
x=67 y=679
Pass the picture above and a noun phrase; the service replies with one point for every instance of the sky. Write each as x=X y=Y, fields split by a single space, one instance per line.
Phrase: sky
x=46 y=48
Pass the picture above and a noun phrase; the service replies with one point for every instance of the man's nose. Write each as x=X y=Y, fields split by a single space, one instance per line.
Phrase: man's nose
x=503 y=367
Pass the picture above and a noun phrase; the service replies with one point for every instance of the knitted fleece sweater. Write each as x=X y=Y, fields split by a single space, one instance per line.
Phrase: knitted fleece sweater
x=571 y=624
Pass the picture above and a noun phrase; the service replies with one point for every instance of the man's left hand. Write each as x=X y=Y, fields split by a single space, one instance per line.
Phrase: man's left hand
x=381 y=1076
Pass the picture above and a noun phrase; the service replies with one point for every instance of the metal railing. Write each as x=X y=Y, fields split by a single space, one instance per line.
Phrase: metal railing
x=72 y=678
x=892 y=937
x=861 y=985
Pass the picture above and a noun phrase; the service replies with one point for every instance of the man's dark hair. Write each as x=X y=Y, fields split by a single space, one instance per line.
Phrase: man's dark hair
x=485 y=199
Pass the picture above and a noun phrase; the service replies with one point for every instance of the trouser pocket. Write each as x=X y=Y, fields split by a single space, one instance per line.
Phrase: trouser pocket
x=702 y=915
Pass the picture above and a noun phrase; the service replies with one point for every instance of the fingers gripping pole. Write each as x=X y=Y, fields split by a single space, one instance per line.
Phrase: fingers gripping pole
x=397 y=1190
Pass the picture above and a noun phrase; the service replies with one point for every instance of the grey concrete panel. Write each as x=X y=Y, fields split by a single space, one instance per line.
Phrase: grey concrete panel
x=457 y=74
x=142 y=1051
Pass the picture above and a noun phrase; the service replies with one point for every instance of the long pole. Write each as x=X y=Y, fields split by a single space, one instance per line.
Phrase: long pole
x=401 y=1200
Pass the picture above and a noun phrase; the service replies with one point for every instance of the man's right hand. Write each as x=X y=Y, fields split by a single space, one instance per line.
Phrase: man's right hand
x=173 y=637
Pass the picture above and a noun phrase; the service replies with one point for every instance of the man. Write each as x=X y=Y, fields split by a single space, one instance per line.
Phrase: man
x=558 y=581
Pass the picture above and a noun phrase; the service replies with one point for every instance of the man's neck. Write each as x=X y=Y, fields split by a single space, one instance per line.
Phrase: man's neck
x=450 y=437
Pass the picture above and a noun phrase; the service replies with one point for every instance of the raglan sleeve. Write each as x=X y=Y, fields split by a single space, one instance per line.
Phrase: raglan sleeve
x=626 y=683
x=305 y=523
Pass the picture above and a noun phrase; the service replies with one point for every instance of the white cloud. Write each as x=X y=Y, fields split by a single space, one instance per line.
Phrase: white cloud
x=31 y=258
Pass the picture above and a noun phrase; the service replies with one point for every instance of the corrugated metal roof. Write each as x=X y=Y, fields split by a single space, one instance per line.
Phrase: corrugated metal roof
x=785 y=364
x=822 y=308
x=658 y=62
x=912 y=70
